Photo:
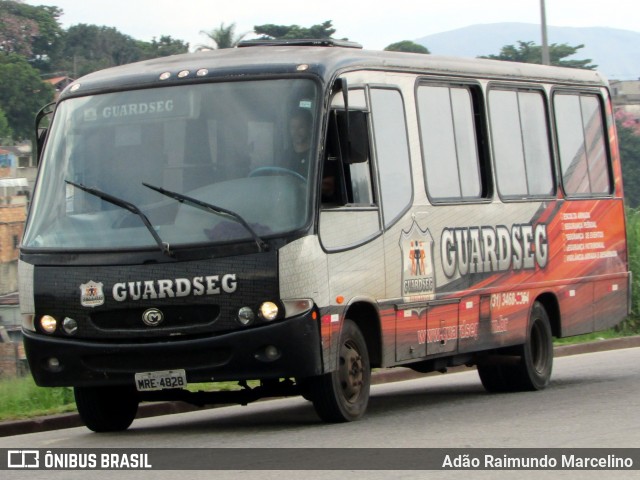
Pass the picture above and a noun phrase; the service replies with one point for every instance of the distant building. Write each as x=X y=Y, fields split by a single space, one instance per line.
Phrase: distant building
x=14 y=198
x=59 y=83
x=12 y=357
x=25 y=164
x=14 y=195
x=626 y=96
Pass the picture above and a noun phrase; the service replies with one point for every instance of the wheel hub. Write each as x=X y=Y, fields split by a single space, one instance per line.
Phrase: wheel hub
x=351 y=371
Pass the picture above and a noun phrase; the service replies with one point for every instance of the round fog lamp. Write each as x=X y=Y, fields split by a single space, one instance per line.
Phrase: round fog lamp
x=53 y=363
x=48 y=323
x=269 y=311
x=271 y=352
x=245 y=315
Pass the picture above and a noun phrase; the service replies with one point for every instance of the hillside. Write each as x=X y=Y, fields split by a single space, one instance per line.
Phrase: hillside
x=616 y=52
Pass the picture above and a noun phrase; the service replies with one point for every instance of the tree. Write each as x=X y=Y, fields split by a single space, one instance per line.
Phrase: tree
x=162 y=48
x=5 y=129
x=32 y=31
x=283 y=32
x=529 y=52
x=22 y=94
x=222 y=37
x=407 y=46
x=16 y=33
x=88 y=48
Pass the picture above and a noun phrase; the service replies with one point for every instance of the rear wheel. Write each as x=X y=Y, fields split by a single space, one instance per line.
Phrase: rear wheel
x=529 y=366
x=106 y=409
x=343 y=395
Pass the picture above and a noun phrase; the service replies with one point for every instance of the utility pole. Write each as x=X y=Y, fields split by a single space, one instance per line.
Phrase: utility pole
x=545 y=42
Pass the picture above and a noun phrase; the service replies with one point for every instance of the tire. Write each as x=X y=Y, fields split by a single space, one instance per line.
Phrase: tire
x=106 y=409
x=343 y=395
x=529 y=367
x=538 y=351
x=494 y=376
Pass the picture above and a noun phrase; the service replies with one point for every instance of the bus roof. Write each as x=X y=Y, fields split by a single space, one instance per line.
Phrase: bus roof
x=322 y=61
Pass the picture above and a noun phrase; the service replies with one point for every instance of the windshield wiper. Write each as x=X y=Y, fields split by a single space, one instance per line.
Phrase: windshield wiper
x=207 y=207
x=164 y=247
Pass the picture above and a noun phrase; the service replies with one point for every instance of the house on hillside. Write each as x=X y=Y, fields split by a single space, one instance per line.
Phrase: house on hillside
x=626 y=96
x=24 y=164
x=14 y=194
x=59 y=84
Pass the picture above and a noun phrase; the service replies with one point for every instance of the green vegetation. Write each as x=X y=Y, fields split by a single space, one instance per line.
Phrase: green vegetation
x=590 y=337
x=287 y=32
x=407 y=46
x=22 y=398
x=631 y=326
x=222 y=37
x=529 y=52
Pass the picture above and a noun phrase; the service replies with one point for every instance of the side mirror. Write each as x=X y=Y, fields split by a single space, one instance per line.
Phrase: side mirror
x=354 y=136
x=43 y=119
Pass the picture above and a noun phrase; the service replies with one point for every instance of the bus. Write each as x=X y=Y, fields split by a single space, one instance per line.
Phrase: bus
x=289 y=215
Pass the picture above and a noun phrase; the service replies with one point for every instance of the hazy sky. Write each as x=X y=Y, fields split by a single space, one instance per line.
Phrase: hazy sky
x=373 y=23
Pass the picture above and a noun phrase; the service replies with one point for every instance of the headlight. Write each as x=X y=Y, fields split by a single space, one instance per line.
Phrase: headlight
x=48 y=323
x=269 y=311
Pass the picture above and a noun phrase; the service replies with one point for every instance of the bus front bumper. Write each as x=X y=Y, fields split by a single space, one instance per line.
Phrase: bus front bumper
x=289 y=348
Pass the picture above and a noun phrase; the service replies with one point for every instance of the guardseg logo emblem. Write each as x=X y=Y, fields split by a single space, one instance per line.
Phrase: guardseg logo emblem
x=152 y=317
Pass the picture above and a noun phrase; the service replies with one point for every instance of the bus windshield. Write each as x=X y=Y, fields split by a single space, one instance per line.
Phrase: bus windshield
x=243 y=147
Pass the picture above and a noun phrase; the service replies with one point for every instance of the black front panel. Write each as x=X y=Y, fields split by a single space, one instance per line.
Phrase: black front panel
x=190 y=298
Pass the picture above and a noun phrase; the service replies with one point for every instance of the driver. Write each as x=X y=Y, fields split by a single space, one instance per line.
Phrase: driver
x=300 y=134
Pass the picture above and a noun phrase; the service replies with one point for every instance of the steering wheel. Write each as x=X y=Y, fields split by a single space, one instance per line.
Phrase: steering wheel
x=271 y=170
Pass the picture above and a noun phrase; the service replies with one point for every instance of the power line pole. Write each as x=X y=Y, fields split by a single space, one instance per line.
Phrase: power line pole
x=545 y=42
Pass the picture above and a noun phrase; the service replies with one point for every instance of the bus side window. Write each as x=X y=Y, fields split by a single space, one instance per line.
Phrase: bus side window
x=582 y=145
x=391 y=152
x=451 y=137
x=521 y=144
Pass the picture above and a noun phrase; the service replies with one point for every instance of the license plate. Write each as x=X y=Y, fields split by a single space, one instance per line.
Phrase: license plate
x=150 y=381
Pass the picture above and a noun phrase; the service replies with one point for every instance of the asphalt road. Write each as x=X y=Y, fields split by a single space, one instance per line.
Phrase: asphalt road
x=592 y=402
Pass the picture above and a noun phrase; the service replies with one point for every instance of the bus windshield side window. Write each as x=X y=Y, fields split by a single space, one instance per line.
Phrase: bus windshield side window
x=347 y=170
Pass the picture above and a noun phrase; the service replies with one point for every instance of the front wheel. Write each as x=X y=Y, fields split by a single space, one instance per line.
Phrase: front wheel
x=106 y=409
x=529 y=367
x=343 y=395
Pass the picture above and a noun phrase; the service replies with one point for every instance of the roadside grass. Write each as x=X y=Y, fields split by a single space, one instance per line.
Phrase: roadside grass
x=22 y=398
x=591 y=337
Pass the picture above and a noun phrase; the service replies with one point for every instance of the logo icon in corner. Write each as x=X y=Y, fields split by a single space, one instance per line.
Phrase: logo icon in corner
x=152 y=317
x=23 y=459
x=91 y=294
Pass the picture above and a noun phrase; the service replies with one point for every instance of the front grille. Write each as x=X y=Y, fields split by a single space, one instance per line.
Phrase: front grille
x=176 y=319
